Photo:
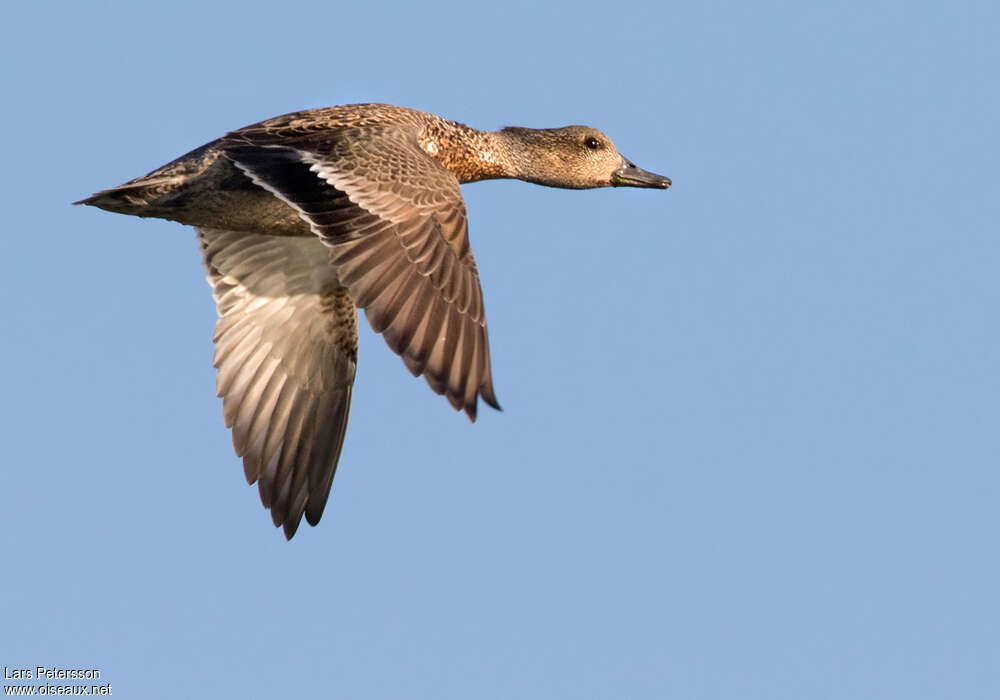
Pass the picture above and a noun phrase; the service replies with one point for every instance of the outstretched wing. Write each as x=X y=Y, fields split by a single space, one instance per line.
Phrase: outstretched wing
x=285 y=349
x=395 y=222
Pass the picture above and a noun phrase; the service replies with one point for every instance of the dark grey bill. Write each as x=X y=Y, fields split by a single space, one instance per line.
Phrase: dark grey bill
x=630 y=176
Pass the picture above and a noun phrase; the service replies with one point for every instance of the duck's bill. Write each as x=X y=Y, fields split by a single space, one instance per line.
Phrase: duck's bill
x=630 y=176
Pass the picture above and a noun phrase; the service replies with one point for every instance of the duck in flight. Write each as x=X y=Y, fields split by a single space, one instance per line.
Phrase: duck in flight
x=306 y=217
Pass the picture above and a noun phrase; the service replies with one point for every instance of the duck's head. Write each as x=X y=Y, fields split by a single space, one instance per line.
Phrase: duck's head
x=576 y=157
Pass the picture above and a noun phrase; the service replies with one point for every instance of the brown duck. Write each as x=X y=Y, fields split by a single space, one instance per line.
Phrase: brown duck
x=306 y=217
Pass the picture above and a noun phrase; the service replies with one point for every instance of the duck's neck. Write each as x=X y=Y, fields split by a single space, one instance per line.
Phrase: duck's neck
x=469 y=153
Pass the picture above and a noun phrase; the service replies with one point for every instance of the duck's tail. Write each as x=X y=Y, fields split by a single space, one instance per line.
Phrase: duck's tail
x=138 y=197
x=201 y=188
x=149 y=194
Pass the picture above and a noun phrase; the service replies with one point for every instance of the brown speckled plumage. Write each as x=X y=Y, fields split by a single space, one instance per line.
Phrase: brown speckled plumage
x=306 y=217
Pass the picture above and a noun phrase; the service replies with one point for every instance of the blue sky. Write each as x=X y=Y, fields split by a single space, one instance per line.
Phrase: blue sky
x=749 y=444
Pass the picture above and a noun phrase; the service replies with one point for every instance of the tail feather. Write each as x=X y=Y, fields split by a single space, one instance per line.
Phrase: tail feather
x=135 y=196
x=138 y=196
x=202 y=188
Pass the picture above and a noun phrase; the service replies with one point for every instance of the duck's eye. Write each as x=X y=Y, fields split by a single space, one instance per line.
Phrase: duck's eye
x=592 y=143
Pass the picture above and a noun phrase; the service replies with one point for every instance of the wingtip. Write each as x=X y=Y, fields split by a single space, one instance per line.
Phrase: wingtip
x=289 y=529
x=313 y=517
x=489 y=397
x=471 y=410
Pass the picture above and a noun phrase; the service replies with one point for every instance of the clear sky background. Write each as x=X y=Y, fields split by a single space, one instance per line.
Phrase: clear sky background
x=750 y=443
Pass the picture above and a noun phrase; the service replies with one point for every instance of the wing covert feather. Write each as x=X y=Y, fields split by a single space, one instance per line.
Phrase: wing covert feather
x=396 y=226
